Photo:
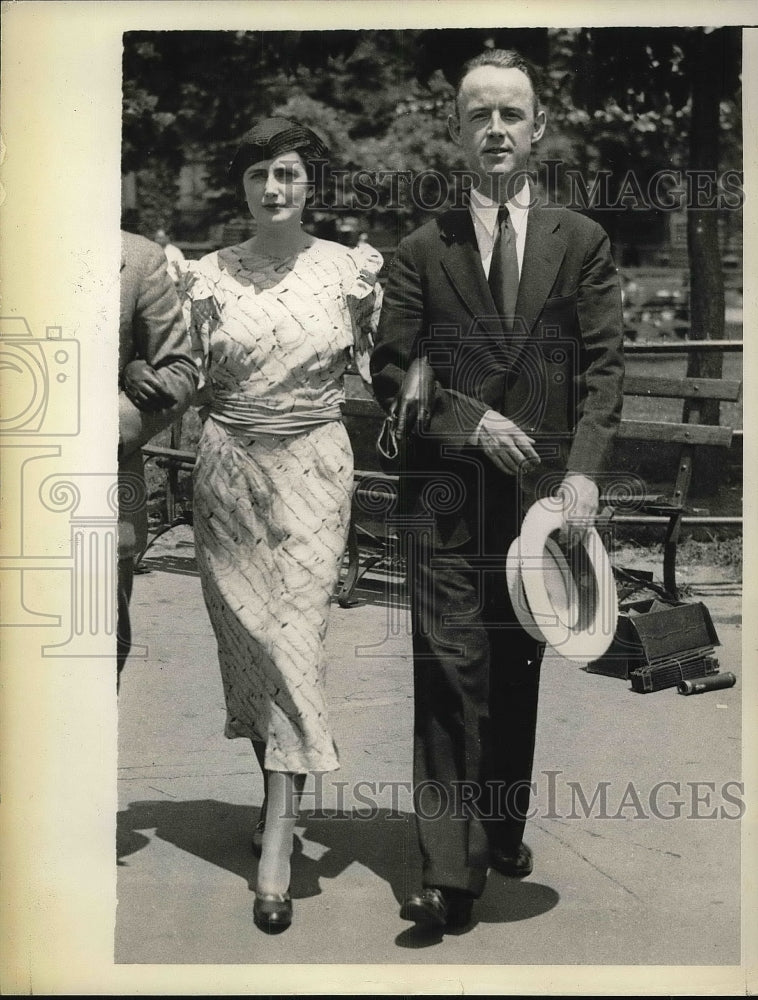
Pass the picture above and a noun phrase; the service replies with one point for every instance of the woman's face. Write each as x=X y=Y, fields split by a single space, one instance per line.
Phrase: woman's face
x=277 y=190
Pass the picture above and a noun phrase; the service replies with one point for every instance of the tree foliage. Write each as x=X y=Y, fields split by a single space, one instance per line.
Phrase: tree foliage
x=619 y=100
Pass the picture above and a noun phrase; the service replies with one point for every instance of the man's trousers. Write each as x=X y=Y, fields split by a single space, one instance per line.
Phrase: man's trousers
x=123 y=623
x=476 y=677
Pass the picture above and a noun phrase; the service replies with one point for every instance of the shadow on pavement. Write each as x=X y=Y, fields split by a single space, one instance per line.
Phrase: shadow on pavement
x=385 y=843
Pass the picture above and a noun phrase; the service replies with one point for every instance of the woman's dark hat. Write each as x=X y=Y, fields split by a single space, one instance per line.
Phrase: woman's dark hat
x=271 y=137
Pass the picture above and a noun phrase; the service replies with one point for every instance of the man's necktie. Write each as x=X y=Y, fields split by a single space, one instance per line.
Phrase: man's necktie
x=504 y=277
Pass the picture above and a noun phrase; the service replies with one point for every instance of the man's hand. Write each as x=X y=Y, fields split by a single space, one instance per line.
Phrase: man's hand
x=508 y=447
x=580 y=504
x=145 y=388
x=413 y=405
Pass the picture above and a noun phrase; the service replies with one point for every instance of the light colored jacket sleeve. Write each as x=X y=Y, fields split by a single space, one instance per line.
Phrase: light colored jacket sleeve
x=159 y=337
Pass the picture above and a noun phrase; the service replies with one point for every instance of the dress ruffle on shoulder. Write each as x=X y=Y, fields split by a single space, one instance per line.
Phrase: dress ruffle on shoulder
x=369 y=263
x=202 y=313
x=364 y=297
x=197 y=276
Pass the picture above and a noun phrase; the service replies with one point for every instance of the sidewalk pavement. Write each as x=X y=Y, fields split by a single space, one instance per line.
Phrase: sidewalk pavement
x=646 y=874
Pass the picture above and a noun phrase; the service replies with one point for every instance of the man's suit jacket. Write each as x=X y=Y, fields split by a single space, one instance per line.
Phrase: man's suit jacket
x=558 y=374
x=151 y=327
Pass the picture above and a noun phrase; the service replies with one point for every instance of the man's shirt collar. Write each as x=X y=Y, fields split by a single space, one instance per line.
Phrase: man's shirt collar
x=485 y=209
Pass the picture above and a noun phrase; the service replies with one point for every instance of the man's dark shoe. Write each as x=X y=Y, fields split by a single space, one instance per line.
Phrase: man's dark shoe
x=438 y=908
x=517 y=865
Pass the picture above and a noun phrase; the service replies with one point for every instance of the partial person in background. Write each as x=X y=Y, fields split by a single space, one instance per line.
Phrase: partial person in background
x=157 y=381
x=629 y=302
x=276 y=320
x=175 y=259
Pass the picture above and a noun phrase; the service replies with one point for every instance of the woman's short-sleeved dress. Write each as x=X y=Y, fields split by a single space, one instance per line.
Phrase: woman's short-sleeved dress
x=274 y=476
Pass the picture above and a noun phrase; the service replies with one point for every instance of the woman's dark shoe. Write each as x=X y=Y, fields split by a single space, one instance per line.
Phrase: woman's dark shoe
x=272 y=911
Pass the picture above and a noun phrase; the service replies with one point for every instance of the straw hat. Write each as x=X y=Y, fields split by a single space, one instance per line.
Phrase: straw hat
x=567 y=601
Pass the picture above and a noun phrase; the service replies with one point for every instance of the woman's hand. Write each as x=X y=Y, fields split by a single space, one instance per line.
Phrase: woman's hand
x=413 y=405
x=144 y=387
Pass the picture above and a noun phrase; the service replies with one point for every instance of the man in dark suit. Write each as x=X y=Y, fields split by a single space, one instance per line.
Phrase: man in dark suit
x=527 y=380
x=153 y=335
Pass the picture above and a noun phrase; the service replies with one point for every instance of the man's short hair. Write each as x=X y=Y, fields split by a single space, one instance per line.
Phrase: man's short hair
x=503 y=59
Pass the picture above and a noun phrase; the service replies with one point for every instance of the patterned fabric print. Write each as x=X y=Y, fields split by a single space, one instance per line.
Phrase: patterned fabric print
x=271 y=519
x=276 y=360
x=272 y=510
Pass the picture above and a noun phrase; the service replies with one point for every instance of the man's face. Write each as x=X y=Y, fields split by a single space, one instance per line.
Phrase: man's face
x=496 y=125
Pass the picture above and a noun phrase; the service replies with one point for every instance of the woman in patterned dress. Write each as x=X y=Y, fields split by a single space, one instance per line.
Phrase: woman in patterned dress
x=276 y=320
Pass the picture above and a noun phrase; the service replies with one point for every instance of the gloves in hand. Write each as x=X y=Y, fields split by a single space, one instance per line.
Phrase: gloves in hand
x=414 y=402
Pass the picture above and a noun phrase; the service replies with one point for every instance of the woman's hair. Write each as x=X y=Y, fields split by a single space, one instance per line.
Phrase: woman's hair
x=271 y=137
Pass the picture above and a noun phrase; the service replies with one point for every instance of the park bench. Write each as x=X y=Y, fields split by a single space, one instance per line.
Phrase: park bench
x=688 y=436
x=372 y=546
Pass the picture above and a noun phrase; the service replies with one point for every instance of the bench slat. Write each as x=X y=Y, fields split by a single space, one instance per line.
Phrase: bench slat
x=383 y=477
x=357 y=407
x=682 y=388
x=696 y=434
x=175 y=454
x=727 y=390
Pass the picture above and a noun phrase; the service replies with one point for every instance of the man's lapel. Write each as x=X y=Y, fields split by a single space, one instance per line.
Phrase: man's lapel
x=544 y=250
x=463 y=266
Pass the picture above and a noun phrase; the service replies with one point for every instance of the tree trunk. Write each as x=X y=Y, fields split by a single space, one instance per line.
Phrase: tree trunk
x=706 y=275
